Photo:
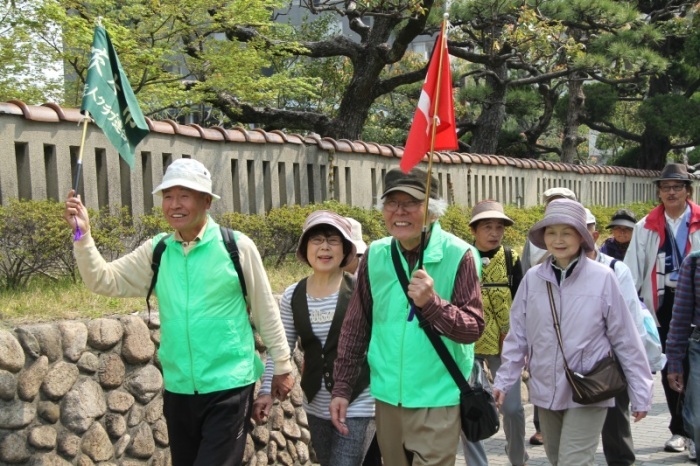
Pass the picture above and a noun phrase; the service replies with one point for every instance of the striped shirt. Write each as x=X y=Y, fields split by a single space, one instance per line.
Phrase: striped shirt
x=321 y=312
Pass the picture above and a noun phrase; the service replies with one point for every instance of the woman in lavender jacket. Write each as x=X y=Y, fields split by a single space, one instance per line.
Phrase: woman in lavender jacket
x=594 y=320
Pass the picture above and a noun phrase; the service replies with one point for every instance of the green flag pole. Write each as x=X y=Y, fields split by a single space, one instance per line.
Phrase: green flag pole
x=79 y=163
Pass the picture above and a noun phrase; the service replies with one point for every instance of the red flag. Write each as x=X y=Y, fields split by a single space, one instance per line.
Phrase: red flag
x=435 y=99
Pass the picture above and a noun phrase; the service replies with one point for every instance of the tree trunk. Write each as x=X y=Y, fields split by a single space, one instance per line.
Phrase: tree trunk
x=532 y=134
x=362 y=90
x=571 y=139
x=653 y=150
x=493 y=112
x=655 y=147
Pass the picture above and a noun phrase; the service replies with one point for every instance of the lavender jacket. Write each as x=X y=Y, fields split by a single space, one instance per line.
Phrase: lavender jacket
x=593 y=317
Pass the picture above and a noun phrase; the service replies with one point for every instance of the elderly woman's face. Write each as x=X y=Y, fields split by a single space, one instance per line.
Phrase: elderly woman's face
x=563 y=242
x=673 y=194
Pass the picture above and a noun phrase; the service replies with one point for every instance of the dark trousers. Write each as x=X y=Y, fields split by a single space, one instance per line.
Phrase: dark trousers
x=674 y=400
x=617 y=433
x=373 y=457
x=208 y=429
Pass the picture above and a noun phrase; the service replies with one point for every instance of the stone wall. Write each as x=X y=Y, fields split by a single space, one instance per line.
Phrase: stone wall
x=90 y=393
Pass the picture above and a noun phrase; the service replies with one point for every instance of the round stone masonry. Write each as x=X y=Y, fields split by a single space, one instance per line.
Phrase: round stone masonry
x=88 y=393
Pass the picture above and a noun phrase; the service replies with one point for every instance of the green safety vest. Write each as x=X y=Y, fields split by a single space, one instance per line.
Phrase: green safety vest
x=404 y=366
x=207 y=342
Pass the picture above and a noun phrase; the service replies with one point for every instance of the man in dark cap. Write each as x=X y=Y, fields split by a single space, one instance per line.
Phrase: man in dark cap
x=660 y=242
x=417 y=410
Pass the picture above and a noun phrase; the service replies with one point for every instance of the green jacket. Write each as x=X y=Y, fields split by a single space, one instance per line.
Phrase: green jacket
x=207 y=342
x=405 y=368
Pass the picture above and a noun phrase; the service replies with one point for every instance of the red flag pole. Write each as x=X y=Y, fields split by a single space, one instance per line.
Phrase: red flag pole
x=433 y=131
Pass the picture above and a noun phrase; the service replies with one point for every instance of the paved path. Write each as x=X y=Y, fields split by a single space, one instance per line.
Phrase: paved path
x=649 y=437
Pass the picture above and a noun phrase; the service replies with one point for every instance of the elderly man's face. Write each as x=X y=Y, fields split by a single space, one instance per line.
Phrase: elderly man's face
x=403 y=217
x=186 y=210
x=673 y=194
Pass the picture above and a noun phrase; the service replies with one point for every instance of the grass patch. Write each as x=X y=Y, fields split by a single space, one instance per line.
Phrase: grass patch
x=46 y=300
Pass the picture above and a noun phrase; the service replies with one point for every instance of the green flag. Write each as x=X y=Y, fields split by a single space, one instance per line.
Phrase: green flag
x=109 y=98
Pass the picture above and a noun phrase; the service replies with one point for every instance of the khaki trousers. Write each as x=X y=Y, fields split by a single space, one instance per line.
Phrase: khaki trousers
x=571 y=436
x=417 y=436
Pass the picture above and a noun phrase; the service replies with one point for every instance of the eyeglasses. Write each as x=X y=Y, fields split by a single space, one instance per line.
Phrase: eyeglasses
x=676 y=188
x=331 y=240
x=409 y=206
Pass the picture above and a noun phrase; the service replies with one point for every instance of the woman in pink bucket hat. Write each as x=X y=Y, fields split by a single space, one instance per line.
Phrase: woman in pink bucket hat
x=313 y=311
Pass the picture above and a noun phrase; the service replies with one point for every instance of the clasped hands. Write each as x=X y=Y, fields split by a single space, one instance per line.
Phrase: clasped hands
x=281 y=386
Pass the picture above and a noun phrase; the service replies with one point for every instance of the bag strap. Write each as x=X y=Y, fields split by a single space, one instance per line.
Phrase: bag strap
x=509 y=268
x=232 y=248
x=555 y=318
x=155 y=265
x=569 y=373
x=434 y=338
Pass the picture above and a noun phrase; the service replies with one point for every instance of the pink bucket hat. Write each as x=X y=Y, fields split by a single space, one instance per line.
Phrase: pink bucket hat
x=331 y=219
x=562 y=212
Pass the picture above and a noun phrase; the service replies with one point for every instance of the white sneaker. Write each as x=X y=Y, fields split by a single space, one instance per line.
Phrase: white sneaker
x=676 y=443
x=692 y=456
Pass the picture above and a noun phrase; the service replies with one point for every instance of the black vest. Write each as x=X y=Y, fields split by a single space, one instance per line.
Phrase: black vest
x=318 y=361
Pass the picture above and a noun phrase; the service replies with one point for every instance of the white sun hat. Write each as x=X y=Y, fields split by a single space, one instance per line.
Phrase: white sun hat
x=188 y=173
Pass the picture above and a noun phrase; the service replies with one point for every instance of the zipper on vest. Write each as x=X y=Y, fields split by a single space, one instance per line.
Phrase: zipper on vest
x=187 y=326
x=401 y=353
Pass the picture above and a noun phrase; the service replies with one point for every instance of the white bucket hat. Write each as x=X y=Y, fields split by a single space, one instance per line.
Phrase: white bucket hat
x=188 y=173
x=558 y=192
x=590 y=218
x=360 y=244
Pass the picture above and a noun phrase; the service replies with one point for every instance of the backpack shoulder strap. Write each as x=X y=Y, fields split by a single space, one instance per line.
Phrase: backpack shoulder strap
x=509 y=264
x=509 y=267
x=155 y=265
x=232 y=248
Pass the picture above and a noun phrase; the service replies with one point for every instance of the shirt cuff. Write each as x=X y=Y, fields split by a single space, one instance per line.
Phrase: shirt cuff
x=85 y=242
x=431 y=309
x=283 y=367
x=342 y=390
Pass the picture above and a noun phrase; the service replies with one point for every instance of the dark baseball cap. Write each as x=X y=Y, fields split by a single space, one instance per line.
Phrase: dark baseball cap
x=412 y=183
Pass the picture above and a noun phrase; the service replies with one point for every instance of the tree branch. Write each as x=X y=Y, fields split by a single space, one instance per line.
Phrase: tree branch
x=270 y=118
x=390 y=84
x=607 y=127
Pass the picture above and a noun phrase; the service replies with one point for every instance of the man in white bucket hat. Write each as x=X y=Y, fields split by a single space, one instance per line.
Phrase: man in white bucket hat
x=207 y=348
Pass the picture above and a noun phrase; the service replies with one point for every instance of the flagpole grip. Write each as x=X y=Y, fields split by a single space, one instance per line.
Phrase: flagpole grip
x=79 y=164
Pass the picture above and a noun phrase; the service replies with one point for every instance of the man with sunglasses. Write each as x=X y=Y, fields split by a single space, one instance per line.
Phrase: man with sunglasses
x=417 y=407
x=660 y=242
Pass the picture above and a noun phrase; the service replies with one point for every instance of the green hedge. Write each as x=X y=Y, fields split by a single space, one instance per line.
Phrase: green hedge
x=35 y=240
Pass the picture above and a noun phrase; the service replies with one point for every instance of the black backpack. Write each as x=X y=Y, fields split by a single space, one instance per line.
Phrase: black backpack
x=231 y=247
